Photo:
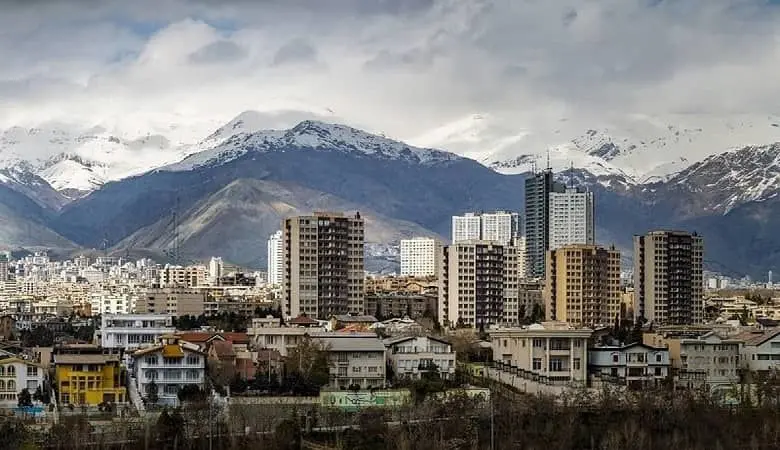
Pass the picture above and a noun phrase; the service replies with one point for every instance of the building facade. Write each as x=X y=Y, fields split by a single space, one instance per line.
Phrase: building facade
x=356 y=359
x=571 y=218
x=167 y=367
x=323 y=265
x=182 y=277
x=89 y=379
x=582 y=286
x=472 y=278
x=537 y=219
x=17 y=374
x=275 y=258
x=174 y=301
x=501 y=227
x=412 y=356
x=467 y=227
x=668 y=284
x=553 y=350
x=418 y=256
x=132 y=331
x=635 y=365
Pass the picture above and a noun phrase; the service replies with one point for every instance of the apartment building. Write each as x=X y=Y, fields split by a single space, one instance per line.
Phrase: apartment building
x=582 y=285
x=419 y=256
x=571 y=218
x=412 y=356
x=167 y=367
x=553 y=350
x=635 y=365
x=761 y=350
x=132 y=331
x=401 y=304
x=17 y=374
x=668 y=285
x=270 y=334
x=537 y=220
x=356 y=359
x=182 y=277
x=275 y=258
x=174 y=301
x=501 y=227
x=323 y=265
x=467 y=227
x=478 y=284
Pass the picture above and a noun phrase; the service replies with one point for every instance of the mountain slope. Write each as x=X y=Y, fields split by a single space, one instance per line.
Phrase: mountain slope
x=235 y=221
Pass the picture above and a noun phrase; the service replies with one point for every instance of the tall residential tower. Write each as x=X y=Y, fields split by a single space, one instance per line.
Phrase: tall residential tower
x=276 y=258
x=537 y=220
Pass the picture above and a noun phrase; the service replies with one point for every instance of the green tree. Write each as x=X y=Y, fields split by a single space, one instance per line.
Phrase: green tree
x=537 y=313
x=152 y=393
x=24 y=398
x=307 y=365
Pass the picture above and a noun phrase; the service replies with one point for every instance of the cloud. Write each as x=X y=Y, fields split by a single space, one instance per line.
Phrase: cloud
x=396 y=66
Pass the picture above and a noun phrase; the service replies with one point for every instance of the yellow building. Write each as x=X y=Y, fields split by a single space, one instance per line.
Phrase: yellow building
x=583 y=285
x=89 y=379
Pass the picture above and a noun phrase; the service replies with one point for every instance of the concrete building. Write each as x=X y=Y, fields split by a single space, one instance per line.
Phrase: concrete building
x=635 y=365
x=167 y=367
x=419 y=256
x=182 y=277
x=112 y=303
x=582 y=285
x=356 y=359
x=3 y=269
x=216 y=267
x=276 y=258
x=501 y=227
x=178 y=302
x=571 y=218
x=761 y=350
x=537 y=219
x=132 y=331
x=270 y=334
x=89 y=378
x=323 y=265
x=412 y=356
x=478 y=283
x=17 y=374
x=467 y=227
x=668 y=284
x=554 y=351
x=401 y=304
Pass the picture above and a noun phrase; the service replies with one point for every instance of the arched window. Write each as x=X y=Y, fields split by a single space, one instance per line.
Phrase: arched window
x=11 y=385
x=2 y=385
x=11 y=371
x=2 y=371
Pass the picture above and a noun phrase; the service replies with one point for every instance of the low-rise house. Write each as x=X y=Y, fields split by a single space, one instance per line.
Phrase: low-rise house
x=550 y=352
x=89 y=378
x=272 y=335
x=634 y=365
x=17 y=374
x=167 y=367
x=356 y=359
x=411 y=357
x=709 y=360
x=204 y=339
x=761 y=350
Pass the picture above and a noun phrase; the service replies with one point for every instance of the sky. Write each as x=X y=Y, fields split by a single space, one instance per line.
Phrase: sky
x=401 y=67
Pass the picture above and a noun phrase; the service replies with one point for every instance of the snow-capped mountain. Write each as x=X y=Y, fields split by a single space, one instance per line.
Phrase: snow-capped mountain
x=309 y=134
x=640 y=148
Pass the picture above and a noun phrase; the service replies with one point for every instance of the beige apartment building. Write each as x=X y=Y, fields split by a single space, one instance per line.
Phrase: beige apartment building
x=582 y=285
x=478 y=284
x=668 y=284
x=323 y=265
x=182 y=277
x=179 y=302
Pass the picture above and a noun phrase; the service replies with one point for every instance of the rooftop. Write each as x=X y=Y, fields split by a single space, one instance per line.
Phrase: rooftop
x=350 y=342
x=85 y=359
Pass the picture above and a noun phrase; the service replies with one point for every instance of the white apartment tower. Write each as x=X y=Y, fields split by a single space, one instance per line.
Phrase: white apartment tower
x=215 y=270
x=323 y=265
x=419 y=256
x=275 y=258
x=467 y=227
x=571 y=218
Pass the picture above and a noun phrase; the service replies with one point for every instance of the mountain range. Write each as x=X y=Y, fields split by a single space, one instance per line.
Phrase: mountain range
x=223 y=195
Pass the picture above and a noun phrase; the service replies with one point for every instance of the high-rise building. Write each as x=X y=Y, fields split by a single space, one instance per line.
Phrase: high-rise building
x=582 y=285
x=323 y=265
x=275 y=258
x=467 y=227
x=537 y=219
x=418 y=256
x=215 y=270
x=668 y=284
x=571 y=218
x=178 y=276
x=501 y=227
x=3 y=268
x=478 y=284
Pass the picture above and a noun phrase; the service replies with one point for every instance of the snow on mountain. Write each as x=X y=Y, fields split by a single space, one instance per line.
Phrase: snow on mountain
x=640 y=147
x=309 y=134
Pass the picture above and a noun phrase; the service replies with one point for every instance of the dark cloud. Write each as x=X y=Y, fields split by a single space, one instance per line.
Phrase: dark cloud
x=218 y=52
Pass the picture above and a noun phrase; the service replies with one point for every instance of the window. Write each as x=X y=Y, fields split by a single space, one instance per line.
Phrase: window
x=2 y=385
x=538 y=342
x=356 y=369
x=372 y=370
x=11 y=370
x=576 y=363
x=151 y=360
x=150 y=374
x=556 y=365
x=658 y=372
x=2 y=371
x=11 y=385
x=193 y=359
x=615 y=358
x=32 y=371
x=537 y=364
x=657 y=357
